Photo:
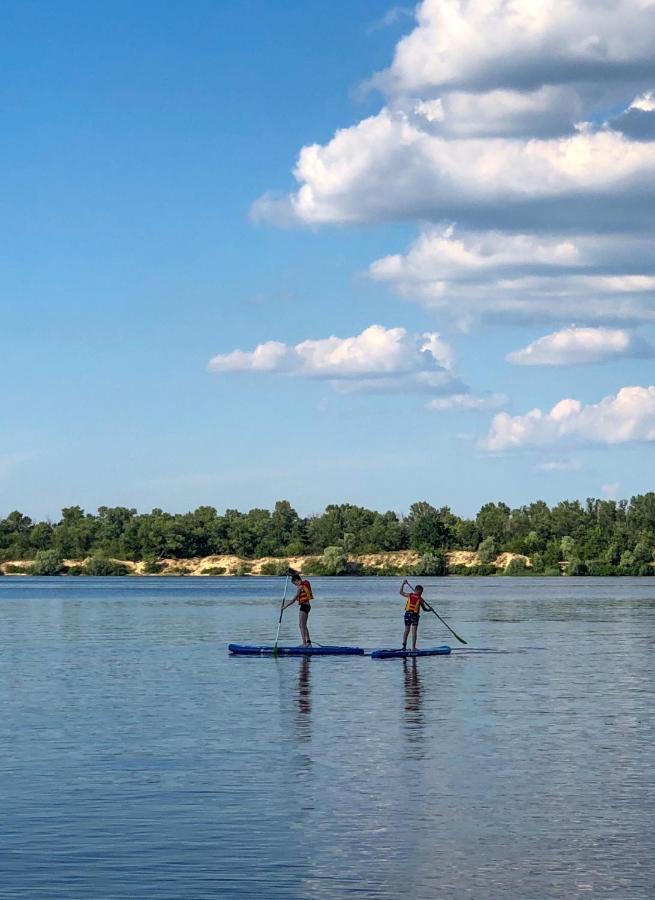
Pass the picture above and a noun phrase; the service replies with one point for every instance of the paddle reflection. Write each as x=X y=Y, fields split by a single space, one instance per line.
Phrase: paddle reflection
x=414 y=718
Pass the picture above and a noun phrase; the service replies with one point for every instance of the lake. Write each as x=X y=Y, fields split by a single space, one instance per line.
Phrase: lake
x=140 y=761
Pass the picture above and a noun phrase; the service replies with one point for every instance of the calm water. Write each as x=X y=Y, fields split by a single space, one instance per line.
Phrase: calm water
x=138 y=760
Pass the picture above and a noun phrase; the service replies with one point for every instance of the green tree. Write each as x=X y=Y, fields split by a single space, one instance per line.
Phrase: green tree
x=493 y=522
x=431 y=564
x=335 y=561
x=426 y=529
x=488 y=551
x=47 y=562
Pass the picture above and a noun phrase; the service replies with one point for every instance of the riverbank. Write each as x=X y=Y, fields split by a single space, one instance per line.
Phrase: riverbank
x=401 y=562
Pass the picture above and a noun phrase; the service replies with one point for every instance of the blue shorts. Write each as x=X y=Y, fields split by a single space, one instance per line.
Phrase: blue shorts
x=412 y=618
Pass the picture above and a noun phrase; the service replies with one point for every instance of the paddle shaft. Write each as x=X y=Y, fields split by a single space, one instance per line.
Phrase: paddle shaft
x=443 y=622
x=279 y=621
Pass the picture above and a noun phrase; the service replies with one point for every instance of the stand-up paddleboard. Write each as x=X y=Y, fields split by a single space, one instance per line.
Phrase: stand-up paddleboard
x=268 y=650
x=402 y=654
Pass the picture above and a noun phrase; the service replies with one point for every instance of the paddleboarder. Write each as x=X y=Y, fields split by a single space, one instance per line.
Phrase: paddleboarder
x=413 y=607
x=303 y=598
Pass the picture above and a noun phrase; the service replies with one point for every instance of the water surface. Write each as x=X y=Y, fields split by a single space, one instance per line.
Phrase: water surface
x=139 y=760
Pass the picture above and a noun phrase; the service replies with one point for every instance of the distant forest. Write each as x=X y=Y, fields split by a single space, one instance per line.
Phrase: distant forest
x=598 y=537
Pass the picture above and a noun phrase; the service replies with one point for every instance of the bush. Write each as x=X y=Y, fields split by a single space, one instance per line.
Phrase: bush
x=487 y=551
x=240 y=571
x=642 y=555
x=387 y=571
x=472 y=570
x=275 y=567
x=101 y=566
x=431 y=564
x=151 y=565
x=75 y=570
x=577 y=567
x=177 y=570
x=214 y=570
x=627 y=561
x=601 y=567
x=552 y=571
x=47 y=562
x=13 y=569
x=517 y=566
x=335 y=561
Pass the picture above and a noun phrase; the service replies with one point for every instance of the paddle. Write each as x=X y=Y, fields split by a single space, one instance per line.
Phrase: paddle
x=454 y=634
x=279 y=621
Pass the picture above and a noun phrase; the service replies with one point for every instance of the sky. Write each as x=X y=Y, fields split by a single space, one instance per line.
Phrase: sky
x=255 y=250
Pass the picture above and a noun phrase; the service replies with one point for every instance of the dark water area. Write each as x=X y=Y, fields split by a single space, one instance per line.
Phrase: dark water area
x=139 y=760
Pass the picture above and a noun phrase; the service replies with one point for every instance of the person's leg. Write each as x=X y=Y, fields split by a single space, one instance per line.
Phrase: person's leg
x=414 y=636
x=304 y=631
x=308 y=640
x=405 y=635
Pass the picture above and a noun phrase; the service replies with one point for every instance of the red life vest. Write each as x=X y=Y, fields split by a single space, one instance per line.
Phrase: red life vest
x=413 y=604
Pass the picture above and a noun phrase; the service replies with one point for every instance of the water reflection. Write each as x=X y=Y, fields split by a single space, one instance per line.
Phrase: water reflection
x=414 y=716
x=304 y=701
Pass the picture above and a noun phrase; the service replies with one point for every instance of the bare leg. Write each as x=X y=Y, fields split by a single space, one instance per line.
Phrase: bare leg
x=405 y=635
x=414 y=635
x=304 y=631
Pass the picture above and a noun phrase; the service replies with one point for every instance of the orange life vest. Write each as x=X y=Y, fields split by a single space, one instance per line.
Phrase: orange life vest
x=305 y=592
x=413 y=604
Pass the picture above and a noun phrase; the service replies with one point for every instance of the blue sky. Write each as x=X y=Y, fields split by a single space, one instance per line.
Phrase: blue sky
x=138 y=141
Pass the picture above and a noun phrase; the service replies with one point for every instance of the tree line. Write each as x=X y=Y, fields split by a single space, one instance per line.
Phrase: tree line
x=595 y=537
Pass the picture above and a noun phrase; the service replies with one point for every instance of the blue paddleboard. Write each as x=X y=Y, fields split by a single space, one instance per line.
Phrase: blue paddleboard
x=268 y=650
x=402 y=654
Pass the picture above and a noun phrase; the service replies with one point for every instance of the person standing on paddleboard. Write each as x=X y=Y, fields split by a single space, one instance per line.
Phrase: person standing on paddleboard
x=413 y=608
x=303 y=598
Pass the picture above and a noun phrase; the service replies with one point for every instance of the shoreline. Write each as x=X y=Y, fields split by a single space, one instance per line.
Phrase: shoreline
x=231 y=565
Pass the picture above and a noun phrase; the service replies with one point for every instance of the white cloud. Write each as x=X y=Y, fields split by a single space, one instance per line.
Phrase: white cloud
x=493 y=119
x=386 y=168
x=522 y=276
x=560 y=465
x=468 y=402
x=579 y=346
x=378 y=359
x=392 y=17
x=523 y=44
x=611 y=489
x=549 y=111
x=638 y=120
x=626 y=416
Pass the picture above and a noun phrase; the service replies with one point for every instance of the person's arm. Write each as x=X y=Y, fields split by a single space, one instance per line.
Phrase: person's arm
x=425 y=605
x=402 y=592
x=293 y=599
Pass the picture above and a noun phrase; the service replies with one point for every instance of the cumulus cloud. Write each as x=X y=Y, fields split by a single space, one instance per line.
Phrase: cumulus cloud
x=468 y=402
x=475 y=44
x=494 y=118
x=378 y=359
x=581 y=346
x=523 y=276
x=629 y=415
x=386 y=168
x=638 y=120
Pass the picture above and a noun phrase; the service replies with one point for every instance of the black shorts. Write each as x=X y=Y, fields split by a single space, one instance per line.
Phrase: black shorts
x=306 y=608
x=412 y=618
